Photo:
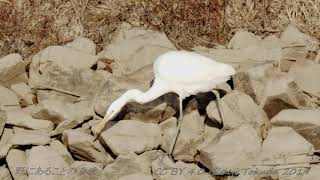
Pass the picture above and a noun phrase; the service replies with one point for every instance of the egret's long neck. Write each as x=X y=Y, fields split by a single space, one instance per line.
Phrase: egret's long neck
x=153 y=93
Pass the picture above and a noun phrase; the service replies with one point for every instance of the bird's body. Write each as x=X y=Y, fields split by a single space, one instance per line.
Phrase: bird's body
x=182 y=72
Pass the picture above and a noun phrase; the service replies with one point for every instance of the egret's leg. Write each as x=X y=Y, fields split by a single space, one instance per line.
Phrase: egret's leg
x=216 y=93
x=179 y=124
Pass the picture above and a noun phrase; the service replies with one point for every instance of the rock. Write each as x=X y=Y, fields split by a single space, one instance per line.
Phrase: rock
x=132 y=136
x=306 y=78
x=304 y=122
x=271 y=89
x=135 y=48
x=84 y=147
x=284 y=146
x=17 y=163
x=43 y=95
x=62 y=150
x=3 y=119
x=210 y=133
x=150 y=156
x=87 y=170
x=313 y=173
x=82 y=44
x=124 y=165
x=12 y=70
x=232 y=150
x=5 y=144
x=8 y=99
x=155 y=115
x=237 y=109
x=45 y=158
x=243 y=39
x=25 y=94
x=137 y=176
x=5 y=173
x=169 y=130
x=29 y=137
x=164 y=168
x=190 y=137
x=22 y=119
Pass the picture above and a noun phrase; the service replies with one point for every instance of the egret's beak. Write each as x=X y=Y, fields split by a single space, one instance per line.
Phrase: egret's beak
x=97 y=130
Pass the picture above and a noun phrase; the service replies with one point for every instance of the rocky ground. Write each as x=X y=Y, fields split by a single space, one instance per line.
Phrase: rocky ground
x=271 y=124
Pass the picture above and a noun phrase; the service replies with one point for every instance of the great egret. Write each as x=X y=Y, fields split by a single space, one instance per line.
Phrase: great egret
x=182 y=72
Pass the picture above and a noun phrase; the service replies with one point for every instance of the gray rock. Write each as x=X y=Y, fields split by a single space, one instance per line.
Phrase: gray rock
x=5 y=144
x=126 y=164
x=232 y=150
x=169 y=130
x=22 y=119
x=150 y=156
x=17 y=163
x=210 y=133
x=82 y=44
x=87 y=170
x=132 y=136
x=8 y=99
x=25 y=94
x=237 y=109
x=3 y=119
x=47 y=159
x=164 y=168
x=137 y=176
x=5 y=173
x=284 y=146
x=82 y=146
x=135 y=48
x=306 y=78
x=313 y=173
x=190 y=137
x=29 y=137
x=243 y=39
x=271 y=89
x=12 y=70
x=62 y=150
x=304 y=122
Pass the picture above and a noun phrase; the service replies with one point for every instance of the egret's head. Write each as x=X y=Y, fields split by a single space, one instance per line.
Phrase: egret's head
x=116 y=106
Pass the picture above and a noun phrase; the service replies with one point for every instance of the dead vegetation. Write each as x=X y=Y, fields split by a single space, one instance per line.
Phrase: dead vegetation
x=26 y=26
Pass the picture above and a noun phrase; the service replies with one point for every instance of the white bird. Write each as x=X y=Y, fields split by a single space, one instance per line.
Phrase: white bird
x=182 y=72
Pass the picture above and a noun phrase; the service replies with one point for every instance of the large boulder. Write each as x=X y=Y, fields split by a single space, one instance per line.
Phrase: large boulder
x=12 y=70
x=29 y=137
x=17 y=163
x=132 y=136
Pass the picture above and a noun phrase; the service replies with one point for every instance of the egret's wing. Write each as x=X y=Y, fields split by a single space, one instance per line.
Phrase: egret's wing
x=187 y=67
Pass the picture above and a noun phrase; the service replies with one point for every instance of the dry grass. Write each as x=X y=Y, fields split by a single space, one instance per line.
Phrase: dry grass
x=30 y=25
x=270 y=16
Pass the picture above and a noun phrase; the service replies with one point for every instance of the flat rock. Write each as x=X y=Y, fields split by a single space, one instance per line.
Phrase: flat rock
x=243 y=39
x=306 y=78
x=25 y=94
x=3 y=119
x=190 y=137
x=12 y=70
x=164 y=168
x=29 y=137
x=284 y=146
x=150 y=156
x=137 y=176
x=82 y=44
x=46 y=158
x=304 y=122
x=22 y=119
x=17 y=163
x=134 y=48
x=232 y=150
x=125 y=165
x=169 y=130
x=271 y=89
x=5 y=144
x=83 y=146
x=5 y=173
x=132 y=136
x=237 y=109
x=209 y=134
x=8 y=99
x=87 y=170
x=62 y=150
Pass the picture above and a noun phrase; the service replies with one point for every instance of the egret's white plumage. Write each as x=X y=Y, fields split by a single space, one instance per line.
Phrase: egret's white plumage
x=182 y=72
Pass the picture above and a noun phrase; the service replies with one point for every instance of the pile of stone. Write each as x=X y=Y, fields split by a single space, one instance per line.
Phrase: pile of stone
x=271 y=117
